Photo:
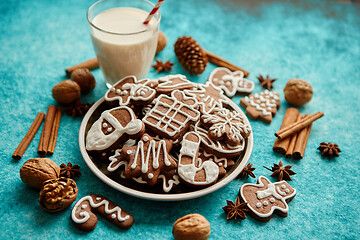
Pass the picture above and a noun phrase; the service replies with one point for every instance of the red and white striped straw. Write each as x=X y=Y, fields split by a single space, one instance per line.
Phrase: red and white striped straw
x=155 y=9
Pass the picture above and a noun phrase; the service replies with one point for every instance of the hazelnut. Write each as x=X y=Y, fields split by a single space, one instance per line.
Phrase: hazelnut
x=84 y=78
x=58 y=194
x=38 y=170
x=66 y=92
x=161 y=42
x=298 y=92
x=191 y=226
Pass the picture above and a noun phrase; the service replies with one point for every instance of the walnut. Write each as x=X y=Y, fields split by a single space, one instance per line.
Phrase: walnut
x=58 y=194
x=38 y=170
x=84 y=78
x=191 y=226
x=66 y=92
x=162 y=41
x=298 y=92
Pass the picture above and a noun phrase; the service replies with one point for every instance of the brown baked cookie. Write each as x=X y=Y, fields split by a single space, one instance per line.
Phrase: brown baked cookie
x=148 y=159
x=262 y=105
x=129 y=89
x=223 y=123
x=265 y=198
x=190 y=169
x=172 y=115
x=84 y=218
x=113 y=127
x=231 y=82
x=171 y=83
x=222 y=162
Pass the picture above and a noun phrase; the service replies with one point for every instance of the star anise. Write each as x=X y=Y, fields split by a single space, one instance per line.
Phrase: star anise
x=160 y=66
x=246 y=172
x=281 y=172
x=329 y=150
x=236 y=210
x=69 y=170
x=266 y=82
x=77 y=109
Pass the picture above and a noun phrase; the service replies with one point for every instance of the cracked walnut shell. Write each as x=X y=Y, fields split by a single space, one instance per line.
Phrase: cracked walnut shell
x=58 y=194
x=298 y=92
x=66 y=92
x=191 y=226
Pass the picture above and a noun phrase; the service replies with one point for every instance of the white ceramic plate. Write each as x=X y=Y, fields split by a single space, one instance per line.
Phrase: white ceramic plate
x=237 y=168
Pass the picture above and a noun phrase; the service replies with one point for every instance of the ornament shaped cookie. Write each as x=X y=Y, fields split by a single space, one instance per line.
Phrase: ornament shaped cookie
x=113 y=127
x=231 y=82
x=130 y=89
x=84 y=218
x=203 y=175
x=227 y=124
x=266 y=198
x=171 y=83
x=172 y=115
x=208 y=96
x=148 y=159
x=261 y=105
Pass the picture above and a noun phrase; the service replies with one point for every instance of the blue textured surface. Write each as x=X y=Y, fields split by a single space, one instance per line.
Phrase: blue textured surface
x=318 y=41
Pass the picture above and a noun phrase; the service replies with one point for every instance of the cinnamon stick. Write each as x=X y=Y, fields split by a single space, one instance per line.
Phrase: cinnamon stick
x=54 y=132
x=218 y=61
x=281 y=146
x=293 y=138
x=301 y=143
x=20 y=150
x=89 y=64
x=46 y=131
x=297 y=126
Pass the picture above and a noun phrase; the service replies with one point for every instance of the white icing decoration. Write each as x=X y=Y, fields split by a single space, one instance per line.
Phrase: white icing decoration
x=272 y=200
x=287 y=190
x=83 y=206
x=113 y=216
x=85 y=215
x=171 y=182
x=109 y=129
x=166 y=83
x=265 y=203
x=97 y=140
x=188 y=172
x=150 y=175
x=113 y=159
x=118 y=91
x=145 y=138
x=283 y=186
x=258 y=204
x=264 y=101
x=128 y=152
x=104 y=125
x=220 y=164
x=98 y=198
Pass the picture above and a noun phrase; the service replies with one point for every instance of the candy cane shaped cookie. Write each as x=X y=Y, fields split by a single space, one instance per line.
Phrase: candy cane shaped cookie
x=84 y=218
x=205 y=173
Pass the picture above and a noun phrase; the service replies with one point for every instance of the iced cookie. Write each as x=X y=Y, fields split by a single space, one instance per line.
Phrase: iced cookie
x=265 y=198
x=231 y=82
x=261 y=106
x=171 y=83
x=222 y=162
x=84 y=218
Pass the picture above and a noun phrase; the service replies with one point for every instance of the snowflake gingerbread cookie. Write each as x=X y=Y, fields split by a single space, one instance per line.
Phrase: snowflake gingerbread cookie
x=266 y=198
x=231 y=82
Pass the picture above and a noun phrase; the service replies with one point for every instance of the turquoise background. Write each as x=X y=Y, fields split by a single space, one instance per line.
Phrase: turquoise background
x=318 y=41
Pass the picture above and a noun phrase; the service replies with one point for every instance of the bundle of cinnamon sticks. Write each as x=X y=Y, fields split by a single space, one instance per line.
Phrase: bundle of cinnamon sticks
x=294 y=133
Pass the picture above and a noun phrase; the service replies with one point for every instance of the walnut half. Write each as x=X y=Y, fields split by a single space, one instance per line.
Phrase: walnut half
x=58 y=194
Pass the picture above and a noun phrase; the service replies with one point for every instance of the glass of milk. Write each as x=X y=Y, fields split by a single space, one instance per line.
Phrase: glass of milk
x=123 y=44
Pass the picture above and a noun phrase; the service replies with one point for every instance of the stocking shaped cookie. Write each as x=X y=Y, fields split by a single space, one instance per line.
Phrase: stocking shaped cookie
x=172 y=115
x=208 y=96
x=231 y=82
x=189 y=170
x=266 y=198
x=113 y=127
x=262 y=105
x=130 y=89
x=83 y=217
x=228 y=124
x=171 y=83
x=148 y=159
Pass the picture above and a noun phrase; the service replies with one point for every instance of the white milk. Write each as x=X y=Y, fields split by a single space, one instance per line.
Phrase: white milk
x=124 y=51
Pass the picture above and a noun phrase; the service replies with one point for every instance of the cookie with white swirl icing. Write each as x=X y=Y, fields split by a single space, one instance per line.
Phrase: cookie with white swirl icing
x=84 y=218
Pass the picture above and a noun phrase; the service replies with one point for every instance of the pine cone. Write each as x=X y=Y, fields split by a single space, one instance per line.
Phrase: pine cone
x=190 y=55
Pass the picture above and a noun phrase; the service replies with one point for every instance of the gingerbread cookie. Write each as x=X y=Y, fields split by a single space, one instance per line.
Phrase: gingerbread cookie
x=84 y=218
x=265 y=198
x=193 y=173
x=262 y=105
x=148 y=159
x=128 y=89
x=171 y=83
x=208 y=96
x=222 y=162
x=228 y=124
x=172 y=115
x=112 y=128
x=231 y=82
